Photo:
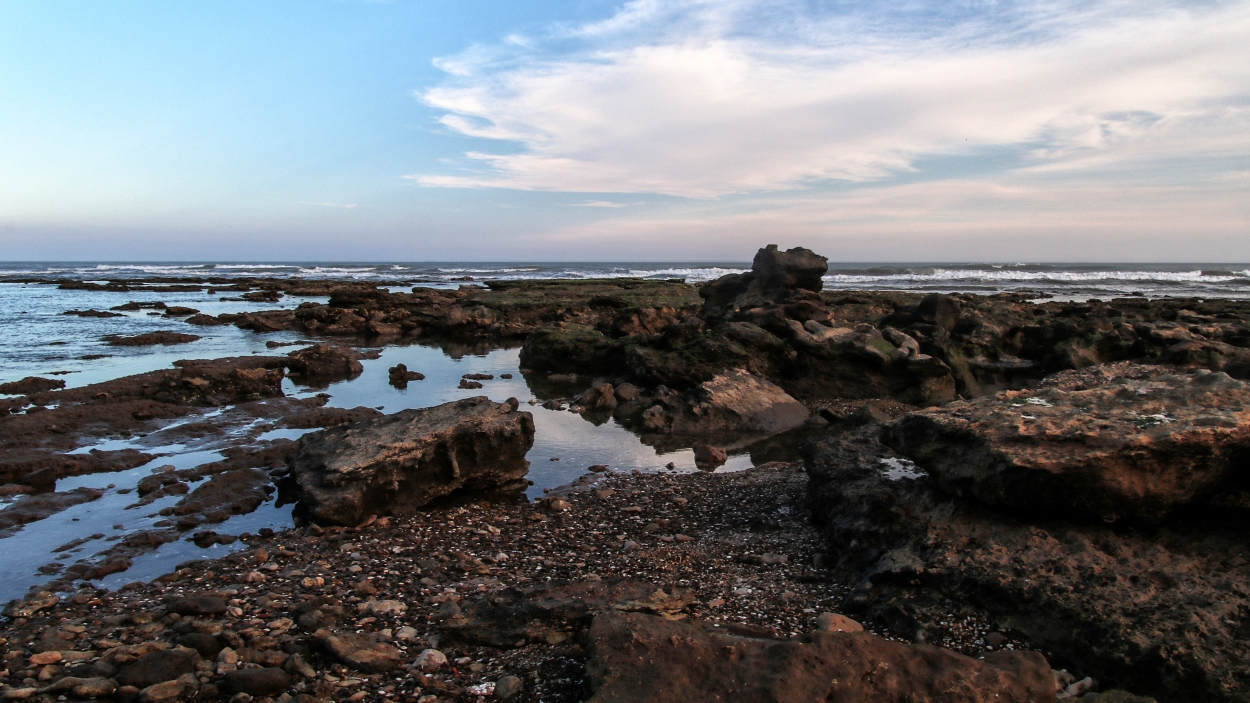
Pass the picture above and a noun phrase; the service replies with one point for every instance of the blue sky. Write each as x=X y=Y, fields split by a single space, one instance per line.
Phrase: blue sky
x=647 y=130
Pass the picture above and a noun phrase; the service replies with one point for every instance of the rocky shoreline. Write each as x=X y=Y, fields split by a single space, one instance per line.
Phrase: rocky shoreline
x=992 y=485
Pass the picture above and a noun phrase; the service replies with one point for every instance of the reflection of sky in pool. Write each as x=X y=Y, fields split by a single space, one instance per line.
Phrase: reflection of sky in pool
x=576 y=442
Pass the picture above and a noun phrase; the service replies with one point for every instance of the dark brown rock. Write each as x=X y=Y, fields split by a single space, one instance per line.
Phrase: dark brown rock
x=1131 y=441
x=37 y=507
x=637 y=658
x=326 y=360
x=361 y=652
x=557 y=612
x=1120 y=604
x=396 y=463
x=149 y=339
x=197 y=605
x=236 y=492
x=157 y=667
x=268 y=681
x=31 y=384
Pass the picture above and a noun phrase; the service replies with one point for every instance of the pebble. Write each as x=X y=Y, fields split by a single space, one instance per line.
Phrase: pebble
x=430 y=660
x=507 y=687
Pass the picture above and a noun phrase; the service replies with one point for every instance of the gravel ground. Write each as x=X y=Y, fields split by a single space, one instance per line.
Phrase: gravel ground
x=743 y=543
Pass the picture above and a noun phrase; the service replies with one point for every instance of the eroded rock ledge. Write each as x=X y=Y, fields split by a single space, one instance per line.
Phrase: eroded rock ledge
x=397 y=463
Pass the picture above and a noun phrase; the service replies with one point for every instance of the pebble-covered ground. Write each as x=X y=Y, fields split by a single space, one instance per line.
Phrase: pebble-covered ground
x=742 y=542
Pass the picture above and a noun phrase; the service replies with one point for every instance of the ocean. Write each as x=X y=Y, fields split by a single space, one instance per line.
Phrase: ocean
x=1076 y=281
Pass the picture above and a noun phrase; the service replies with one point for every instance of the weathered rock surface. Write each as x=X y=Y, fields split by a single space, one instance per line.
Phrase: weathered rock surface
x=1160 y=611
x=397 y=463
x=148 y=339
x=326 y=360
x=38 y=507
x=737 y=401
x=31 y=384
x=157 y=667
x=1110 y=442
x=361 y=652
x=559 y=612
x=399 y=376
x=637 y=658
x=236 y=492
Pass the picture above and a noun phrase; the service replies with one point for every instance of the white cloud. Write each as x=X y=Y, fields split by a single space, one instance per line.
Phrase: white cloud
x=704 y=99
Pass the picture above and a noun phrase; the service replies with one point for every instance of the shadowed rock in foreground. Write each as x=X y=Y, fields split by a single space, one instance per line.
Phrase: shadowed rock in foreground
x=637 y=658
x=397 y=463
x=1123 y=440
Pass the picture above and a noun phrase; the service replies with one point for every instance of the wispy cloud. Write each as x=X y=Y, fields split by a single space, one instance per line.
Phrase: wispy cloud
x=702 y=99
x=598 y=203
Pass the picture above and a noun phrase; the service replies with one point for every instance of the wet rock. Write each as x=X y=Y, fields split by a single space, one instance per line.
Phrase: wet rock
x=705 y=455
x=470 y=385
x=165 y=692
x=637 y=658
x=555 y=613
x=37 y=507
x=1133 y=441
x=31 y=384
x=257 y=682
x=400 y=376
x=362 y=652
x=95 y=687
x=600 y=398
x=92 y=313
x=149 y=339
x=236 y=492
x=157 y=667
x=399 y=462
x=325 y=360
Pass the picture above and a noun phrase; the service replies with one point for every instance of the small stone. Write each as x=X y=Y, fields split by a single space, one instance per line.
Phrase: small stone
x=995 y=639
x=95 y=688
x=45 y=658
x=430 y=660
x=832 y=622
x=297 y=665
x=706 y=455
x=164 y=692
x=683 y=538
x=774 y=559
x=631 y=545
x=507 y=687
x=204 y=605
x=559 y=505
x=597 y=468
x=406 y=633
x=19 y=694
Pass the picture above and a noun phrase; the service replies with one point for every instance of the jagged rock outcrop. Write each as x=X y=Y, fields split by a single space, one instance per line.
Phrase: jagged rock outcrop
x=1124 y=441
x=1159 y=612
x=397 y=463
x=326 y=360
x=734 y=402
x=638 y=658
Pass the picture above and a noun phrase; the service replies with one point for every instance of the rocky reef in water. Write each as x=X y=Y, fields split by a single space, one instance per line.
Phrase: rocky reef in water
x=1007 y=498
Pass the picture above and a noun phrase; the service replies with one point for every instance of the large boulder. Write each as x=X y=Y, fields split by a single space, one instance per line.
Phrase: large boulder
x=734 y=402
x=1157 y=611
x=397 y=463
x=638 y=658
x=775 y=277
x=1109 y=442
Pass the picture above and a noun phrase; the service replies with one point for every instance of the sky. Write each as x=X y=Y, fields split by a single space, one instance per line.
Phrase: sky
x=651 y=130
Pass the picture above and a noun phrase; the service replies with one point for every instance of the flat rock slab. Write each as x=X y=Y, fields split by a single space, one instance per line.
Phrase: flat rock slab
x=397 y=463
x=736 y=401
x=637 y=658
x=1124 y=440
x=557 y=612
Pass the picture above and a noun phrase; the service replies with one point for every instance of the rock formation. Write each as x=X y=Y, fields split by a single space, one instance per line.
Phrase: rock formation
x=397 y=463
